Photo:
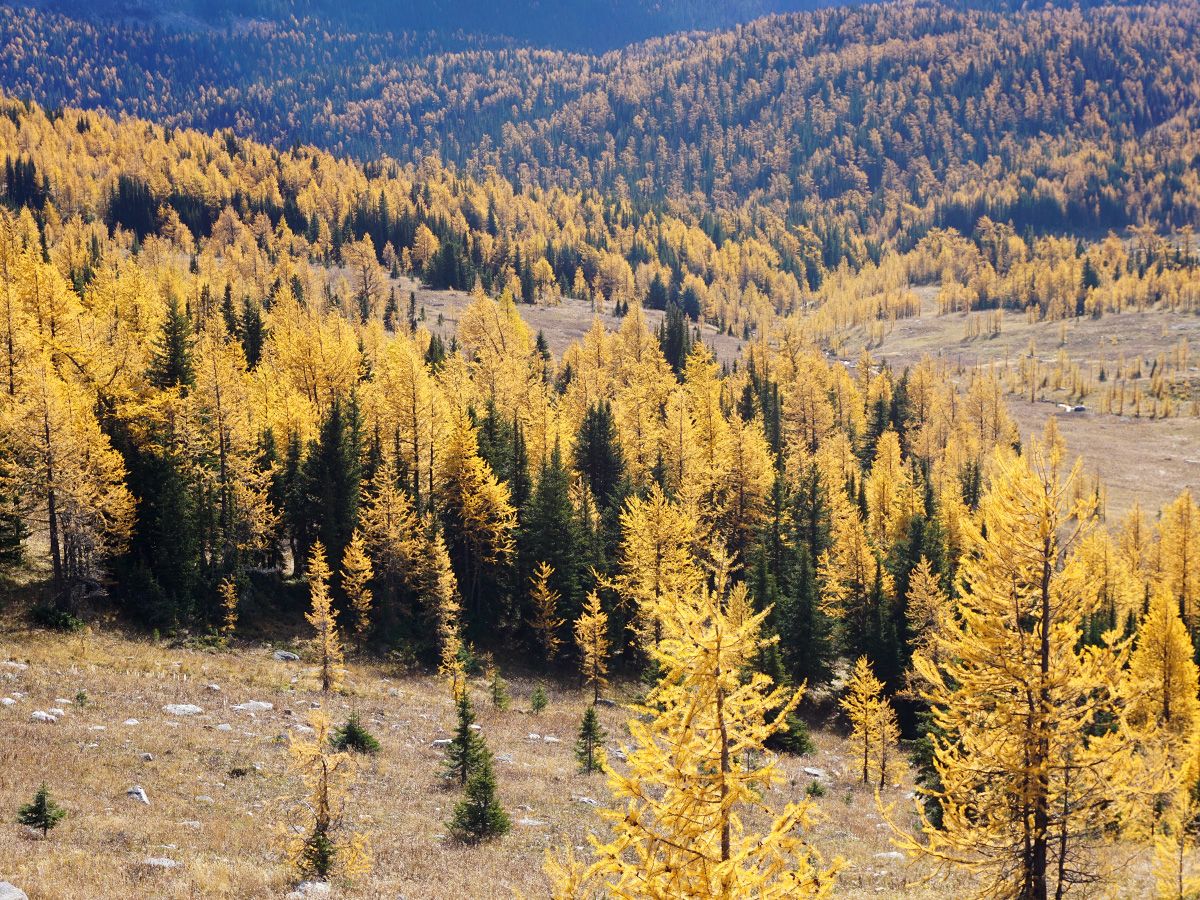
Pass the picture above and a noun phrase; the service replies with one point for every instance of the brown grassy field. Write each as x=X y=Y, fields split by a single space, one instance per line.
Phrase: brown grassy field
x=1146 y=460
x=562 y=324
x=217 y=795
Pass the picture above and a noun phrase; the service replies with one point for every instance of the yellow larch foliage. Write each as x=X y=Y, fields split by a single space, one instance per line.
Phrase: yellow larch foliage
x=1033 y=760
x=315 y=836
x=875 y=733
x=695 y=773
x=229 y=605
x=591 y=636
x=356 y=580
x=1179 y=556
x=323 y=618
x=544 y=599
x=657 y=539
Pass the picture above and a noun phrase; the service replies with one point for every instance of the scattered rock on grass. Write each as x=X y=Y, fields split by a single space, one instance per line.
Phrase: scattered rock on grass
x=285 y=656
x=306 y=890
x=10 y=891
x=254 y=706
x=182 y=709
x=159 y=862
x=39 y=715
x=138 y=793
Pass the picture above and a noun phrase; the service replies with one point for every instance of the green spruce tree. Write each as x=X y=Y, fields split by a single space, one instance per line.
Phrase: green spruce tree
x=171 y=356
x=589 y=748
x=479 y=815
x=538 y=701
x=354 y=737
x=42 y=812
x=467 y=748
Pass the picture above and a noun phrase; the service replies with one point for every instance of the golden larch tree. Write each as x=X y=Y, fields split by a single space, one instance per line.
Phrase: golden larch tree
x=323 y=618
x=544 y=599
x=315 y=837
x=356 y=579
x=591 y=636
x=1032 y=755
x=697 y=771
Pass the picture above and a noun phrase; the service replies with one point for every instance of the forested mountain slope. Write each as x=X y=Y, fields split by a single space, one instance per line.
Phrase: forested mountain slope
x=867 y=124
x=594 y=25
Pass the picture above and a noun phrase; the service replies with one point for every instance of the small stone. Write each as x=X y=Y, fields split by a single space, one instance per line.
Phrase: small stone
x=550 y=739
x=15 y=666
x=224 y=727
x=890 y=854
x=254 y=706
x=131 y=722
x=534 y=737
x=442 y=742
x=191 y=823
x=285 y=656
x=159 y=862
x=532 y=823
x=182 y=709
x=814 y=773
x=504 y=758
x=10 y=891
x=213 y=688
x=585 y=800
x=61 y=702
x=147 y=757
x=138 y=793
x=306 y=890
x=604 y=701
x=56 y=712
x=7 y=701
x=475 y=727
x=204 y=798
x=39 y=715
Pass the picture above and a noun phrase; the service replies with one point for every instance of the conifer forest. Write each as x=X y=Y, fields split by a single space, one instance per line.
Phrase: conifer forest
x=604 y=449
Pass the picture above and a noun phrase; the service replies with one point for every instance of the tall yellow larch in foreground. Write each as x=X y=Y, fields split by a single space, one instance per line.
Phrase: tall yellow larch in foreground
x=317 y=842
x=544 y=599
x=356 y=579
x=1033 y=759
x=695 y=773
x=591 y=636
x=323 y=618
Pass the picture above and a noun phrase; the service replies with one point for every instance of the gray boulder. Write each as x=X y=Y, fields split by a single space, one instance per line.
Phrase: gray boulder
x=138 y=793
x=285 y=656
x=182 y=709
x=11 y=892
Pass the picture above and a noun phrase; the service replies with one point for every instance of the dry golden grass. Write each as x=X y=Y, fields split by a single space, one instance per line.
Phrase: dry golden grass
x=225 y=844
x=1143 y=460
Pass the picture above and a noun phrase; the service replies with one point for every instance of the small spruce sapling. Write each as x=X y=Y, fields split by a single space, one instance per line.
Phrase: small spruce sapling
x=538 y=700
x=466 y=748
x=479 y=816
x=588 y=749
x=354 y=737
x=498 y=688
x=42 y=813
